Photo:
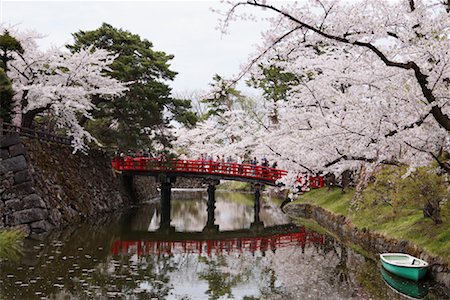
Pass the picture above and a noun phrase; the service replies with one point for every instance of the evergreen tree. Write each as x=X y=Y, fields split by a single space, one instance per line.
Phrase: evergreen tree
x=141 y=117
x=8 y=45
x=223 y=98
x=6 y=97
x=276 y=84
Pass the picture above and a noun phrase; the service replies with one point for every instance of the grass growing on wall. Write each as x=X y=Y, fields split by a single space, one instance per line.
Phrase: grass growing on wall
x=10 y=244
x=395 y=213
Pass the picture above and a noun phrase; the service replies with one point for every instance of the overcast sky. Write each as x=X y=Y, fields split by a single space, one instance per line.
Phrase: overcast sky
x=186 y=29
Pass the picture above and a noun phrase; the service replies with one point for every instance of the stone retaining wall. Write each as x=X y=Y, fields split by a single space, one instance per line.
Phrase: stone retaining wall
x=372 y=242
x=20 y=204
x=44 y=185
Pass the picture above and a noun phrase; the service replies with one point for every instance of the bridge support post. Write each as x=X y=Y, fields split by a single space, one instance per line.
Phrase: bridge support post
x=166 y=191
x=257 y=224
x=210 y=226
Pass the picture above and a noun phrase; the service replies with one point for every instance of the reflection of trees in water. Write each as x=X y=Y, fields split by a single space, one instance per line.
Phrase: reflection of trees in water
x=189 y=215
x=75 y=263
x=189 y=212
x=220 y=280
x=269 y=284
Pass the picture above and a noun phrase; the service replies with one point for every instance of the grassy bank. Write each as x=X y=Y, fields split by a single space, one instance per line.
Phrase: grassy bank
x=10 y=244
x=235 y=186
x=407 y=223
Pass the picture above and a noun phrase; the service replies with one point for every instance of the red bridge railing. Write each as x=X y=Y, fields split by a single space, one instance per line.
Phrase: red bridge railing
x=205 y=167
x=237 y=245
x=208 y=167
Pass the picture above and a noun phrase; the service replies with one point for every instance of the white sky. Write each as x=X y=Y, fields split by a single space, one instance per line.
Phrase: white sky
x=186 y=29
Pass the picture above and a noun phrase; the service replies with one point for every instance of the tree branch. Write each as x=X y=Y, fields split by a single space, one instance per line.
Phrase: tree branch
x=412 y=5
x=442 y=119
x=360 y=158
x=294 y=161
x=444 y=165
x=417 y=123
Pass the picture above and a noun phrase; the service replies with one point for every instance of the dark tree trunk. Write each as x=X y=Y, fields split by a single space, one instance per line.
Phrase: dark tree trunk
x=28 y=117
x=330 y=181
x=345 y=180
x=431 y=210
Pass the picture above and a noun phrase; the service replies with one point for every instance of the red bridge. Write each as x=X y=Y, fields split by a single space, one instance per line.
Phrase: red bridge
x=235 y=245
x=205 y=169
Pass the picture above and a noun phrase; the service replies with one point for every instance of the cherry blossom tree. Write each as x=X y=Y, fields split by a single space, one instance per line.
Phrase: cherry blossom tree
x=373 y=84
x=59 y=84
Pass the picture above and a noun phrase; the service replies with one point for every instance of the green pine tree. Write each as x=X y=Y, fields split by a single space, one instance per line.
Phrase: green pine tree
x=6 y=98
x=125 y=122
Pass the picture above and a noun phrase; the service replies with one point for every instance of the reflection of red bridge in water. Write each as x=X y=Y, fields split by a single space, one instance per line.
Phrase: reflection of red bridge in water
x=205 y=169
x=236 y=245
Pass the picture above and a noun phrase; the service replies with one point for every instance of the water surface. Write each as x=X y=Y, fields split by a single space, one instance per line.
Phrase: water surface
x=128 y=256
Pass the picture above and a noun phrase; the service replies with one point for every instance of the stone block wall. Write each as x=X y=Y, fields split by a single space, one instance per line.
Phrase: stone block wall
x=44 y=185
x=20 y=205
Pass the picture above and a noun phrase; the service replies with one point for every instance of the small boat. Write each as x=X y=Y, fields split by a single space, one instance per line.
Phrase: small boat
x=404 y=265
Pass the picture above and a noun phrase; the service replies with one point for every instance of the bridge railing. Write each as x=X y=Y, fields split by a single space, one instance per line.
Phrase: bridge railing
x=145 y=164
x=237 y=245
x=313 y=182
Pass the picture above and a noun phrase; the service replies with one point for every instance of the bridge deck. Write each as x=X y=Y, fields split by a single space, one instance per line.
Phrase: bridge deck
x=209 y=169
x=197 y=168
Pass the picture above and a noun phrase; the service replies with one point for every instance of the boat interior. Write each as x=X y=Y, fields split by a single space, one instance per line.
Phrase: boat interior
x=404 y=260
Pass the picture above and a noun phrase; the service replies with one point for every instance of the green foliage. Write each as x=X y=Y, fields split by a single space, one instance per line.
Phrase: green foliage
x=182 y=112
x=147 y=108
x=223 y=99
x=10 y=244
x=6 y=98
x=275 y=83
x=8 y=45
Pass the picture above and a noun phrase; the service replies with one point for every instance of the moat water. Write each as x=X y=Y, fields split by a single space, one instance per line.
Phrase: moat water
x=128 y=255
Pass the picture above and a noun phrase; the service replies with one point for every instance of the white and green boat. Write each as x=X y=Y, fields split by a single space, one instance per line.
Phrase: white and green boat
x=404 y=265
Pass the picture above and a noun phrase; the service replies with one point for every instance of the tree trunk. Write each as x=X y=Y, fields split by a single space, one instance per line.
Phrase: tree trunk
x=431 y=210
x=28 y=117
x=345 y=180
x=330 y=181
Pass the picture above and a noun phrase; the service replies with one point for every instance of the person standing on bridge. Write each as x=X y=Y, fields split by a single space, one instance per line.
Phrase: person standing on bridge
x=265 y=166
x=229 y=162
x=254 y=163
x=202 y=161
x=275 y=171
x=240 y=161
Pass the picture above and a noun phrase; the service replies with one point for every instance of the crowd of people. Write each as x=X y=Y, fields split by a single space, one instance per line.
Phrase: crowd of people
x=238 y=160
x=239 y=165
